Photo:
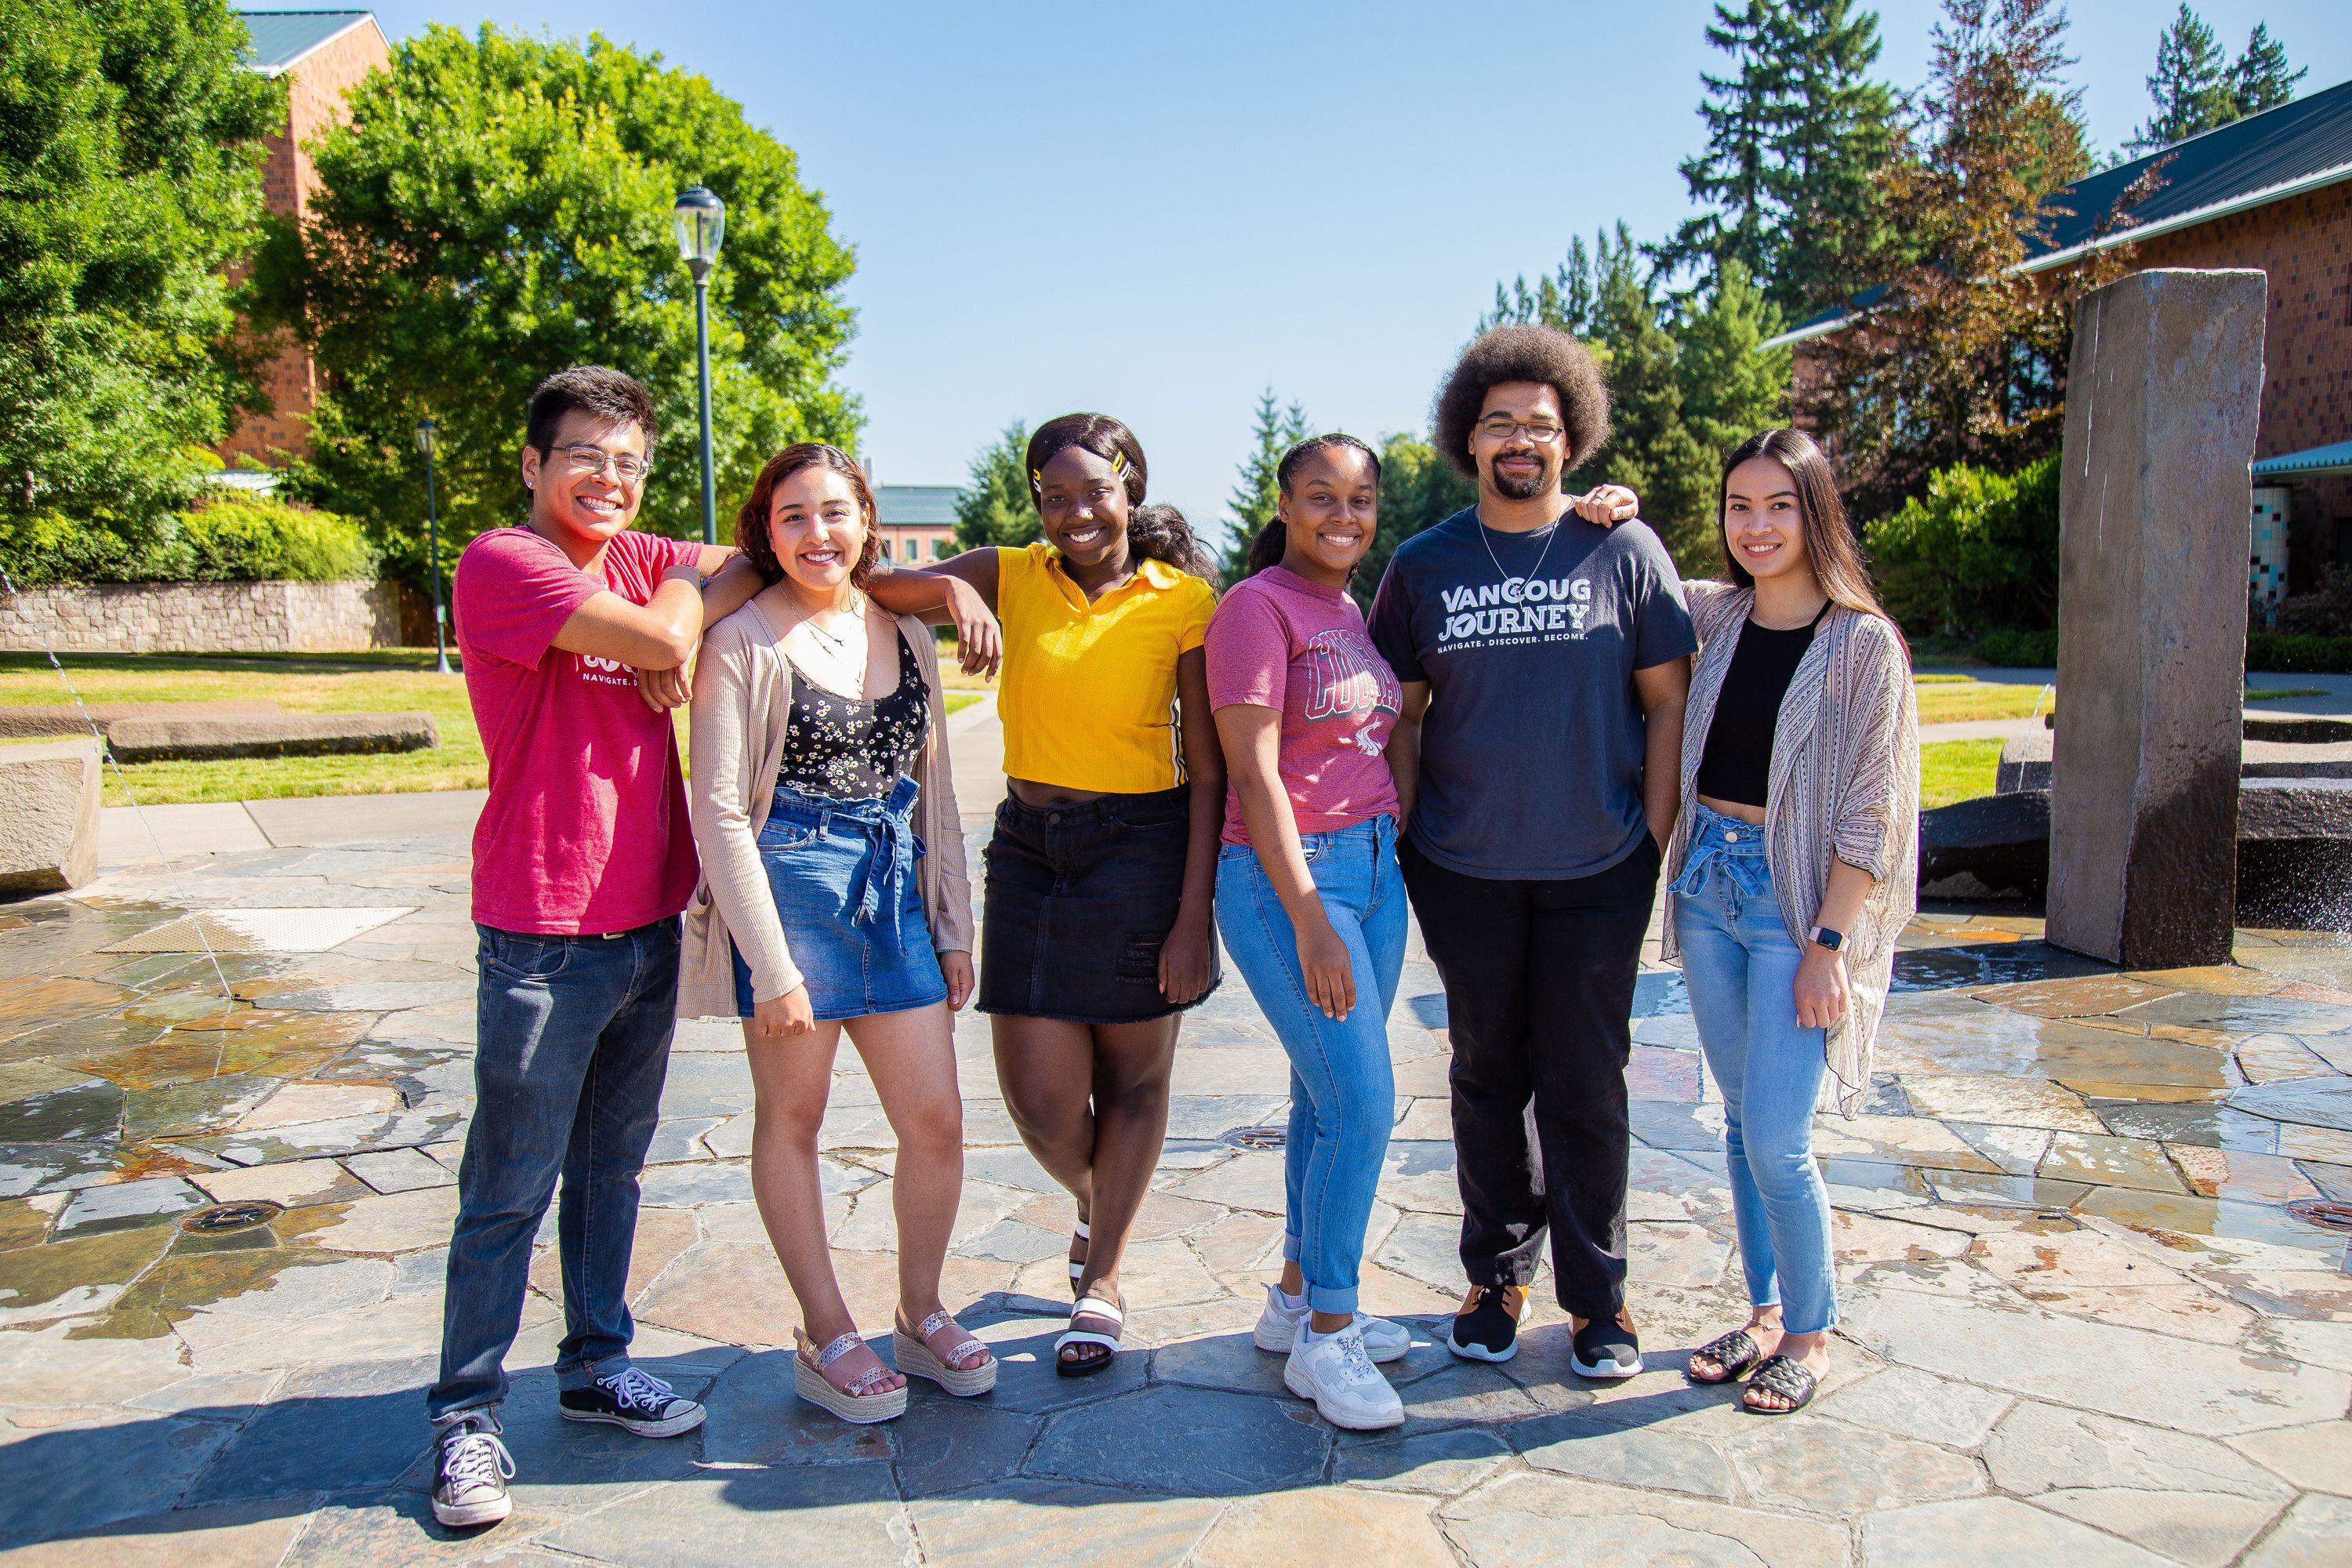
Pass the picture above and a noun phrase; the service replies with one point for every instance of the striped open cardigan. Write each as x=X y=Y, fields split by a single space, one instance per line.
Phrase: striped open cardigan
x=1844 y=782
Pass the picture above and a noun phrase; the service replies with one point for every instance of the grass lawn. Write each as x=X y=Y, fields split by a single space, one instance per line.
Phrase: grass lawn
x=1956 y=769
x=393 y=681
x=1948 y=699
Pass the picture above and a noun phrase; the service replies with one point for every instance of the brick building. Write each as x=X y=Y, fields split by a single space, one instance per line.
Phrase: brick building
x=318 y=56
x=2272 y=190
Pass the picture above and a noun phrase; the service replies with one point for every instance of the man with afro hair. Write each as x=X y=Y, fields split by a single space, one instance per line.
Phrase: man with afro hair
x=1545 y=661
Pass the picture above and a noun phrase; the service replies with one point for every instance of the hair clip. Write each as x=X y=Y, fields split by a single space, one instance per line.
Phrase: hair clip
x=1037 y=478
x=1118 y=461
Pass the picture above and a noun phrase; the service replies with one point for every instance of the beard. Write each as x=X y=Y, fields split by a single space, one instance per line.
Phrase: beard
x=1511 y=489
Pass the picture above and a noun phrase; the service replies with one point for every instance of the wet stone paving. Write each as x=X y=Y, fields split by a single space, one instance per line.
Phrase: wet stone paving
x=2083 y=1324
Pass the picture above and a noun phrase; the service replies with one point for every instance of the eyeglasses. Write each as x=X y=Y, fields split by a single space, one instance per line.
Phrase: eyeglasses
x=585 y=459
x=1502 y=427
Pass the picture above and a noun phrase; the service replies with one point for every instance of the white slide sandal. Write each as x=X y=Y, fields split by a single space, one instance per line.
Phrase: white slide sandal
x=1089 y=1307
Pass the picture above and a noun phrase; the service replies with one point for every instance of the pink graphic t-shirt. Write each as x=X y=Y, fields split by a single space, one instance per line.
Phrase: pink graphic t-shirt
x=1280 y=641
x=586 y=828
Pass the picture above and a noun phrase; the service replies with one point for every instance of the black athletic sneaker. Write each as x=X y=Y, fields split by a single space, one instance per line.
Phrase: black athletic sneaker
x=1487 y=1326
x=633 y=1400
x=471 y=1474
x=1605 y=1348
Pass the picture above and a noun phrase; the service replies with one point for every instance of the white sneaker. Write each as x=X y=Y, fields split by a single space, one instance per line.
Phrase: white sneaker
x=1334 y=1371
x=1278 y=1329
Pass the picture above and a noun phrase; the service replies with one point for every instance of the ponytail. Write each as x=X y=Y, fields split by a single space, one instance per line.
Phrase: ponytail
x=1266 y=549
x=1160 y=533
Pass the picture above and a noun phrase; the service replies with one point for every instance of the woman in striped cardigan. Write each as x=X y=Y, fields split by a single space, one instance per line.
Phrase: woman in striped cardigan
x=1793 y=869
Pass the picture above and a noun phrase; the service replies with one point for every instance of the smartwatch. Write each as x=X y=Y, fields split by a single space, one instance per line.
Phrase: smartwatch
x=1828 y=940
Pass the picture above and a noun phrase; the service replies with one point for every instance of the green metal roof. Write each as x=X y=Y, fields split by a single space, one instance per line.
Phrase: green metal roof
x=278 y=39
x=2308 y=464
x=916 y=506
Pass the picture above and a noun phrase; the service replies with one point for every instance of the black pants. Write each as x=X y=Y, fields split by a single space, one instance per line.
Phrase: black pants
x=1540 y=997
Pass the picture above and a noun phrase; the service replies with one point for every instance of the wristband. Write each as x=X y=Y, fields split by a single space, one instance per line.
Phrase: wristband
x=1828 y=940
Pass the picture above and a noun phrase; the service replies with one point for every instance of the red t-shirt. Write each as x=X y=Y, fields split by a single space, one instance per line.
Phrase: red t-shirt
x=586 y=828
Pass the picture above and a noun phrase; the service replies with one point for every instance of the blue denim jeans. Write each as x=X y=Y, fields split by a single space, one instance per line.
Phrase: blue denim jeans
x=1342 y=1089
x=571 y=1044
x=1740 y=966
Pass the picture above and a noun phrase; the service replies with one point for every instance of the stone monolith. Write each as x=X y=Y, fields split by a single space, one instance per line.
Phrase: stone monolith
x=2162 y=400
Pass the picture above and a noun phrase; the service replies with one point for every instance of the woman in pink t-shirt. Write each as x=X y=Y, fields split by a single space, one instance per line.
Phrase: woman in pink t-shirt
x=1310 y=901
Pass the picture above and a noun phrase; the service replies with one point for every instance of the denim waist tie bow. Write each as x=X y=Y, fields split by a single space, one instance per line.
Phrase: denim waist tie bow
x=1728 y=845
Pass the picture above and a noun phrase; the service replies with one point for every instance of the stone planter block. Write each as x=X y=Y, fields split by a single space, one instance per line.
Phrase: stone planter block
x=65 y=719
x=279 y=735
x=49 y=815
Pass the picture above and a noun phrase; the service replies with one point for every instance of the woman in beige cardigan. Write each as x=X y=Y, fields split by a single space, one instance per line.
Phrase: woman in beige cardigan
x=1794 y=868
x=835 y=898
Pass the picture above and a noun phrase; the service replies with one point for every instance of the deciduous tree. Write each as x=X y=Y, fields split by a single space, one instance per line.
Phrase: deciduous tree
x=498 y=208
x=129 y=180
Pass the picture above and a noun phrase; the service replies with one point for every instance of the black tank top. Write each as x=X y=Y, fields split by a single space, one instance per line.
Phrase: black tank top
x=845 y=748
x=1736 y=765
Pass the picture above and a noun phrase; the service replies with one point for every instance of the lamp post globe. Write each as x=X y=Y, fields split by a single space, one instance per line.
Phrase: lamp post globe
x=699 y=219
x=428 y=441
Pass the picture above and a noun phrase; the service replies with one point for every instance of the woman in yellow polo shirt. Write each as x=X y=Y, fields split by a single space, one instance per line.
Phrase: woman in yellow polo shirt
x=1103 y=867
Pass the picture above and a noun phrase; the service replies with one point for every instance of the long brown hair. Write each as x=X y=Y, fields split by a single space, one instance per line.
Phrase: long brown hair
x=751 y=534
x=1831 y=548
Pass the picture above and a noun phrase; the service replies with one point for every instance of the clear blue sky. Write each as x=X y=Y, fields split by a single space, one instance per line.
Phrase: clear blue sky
x=1156 y=211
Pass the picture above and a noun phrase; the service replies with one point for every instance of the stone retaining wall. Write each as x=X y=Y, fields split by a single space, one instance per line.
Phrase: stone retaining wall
x=201 y=618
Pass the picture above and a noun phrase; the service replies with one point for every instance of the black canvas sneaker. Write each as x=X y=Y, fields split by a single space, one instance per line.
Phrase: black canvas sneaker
x=1487 y=1326
x=471 y=1474
x=633 y=1400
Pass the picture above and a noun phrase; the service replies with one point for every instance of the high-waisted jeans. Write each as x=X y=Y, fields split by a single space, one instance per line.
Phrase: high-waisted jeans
x=1740 y=965
x=1342 y=1089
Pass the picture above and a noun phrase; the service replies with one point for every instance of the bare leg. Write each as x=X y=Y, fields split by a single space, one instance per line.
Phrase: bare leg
x=1131 y=1093
x=790 y=1081
x=1047 y=1069
x=911 y=1057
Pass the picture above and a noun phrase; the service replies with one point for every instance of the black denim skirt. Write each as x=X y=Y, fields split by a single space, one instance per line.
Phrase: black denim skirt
x=1079 y=899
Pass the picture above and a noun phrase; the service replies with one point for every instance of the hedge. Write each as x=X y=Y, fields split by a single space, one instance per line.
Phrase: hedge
x=2278 y=652
x=229 y=538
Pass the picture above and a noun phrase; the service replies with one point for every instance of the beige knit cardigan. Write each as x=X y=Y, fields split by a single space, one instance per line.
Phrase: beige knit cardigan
x=742 y=699
x=1844 y=782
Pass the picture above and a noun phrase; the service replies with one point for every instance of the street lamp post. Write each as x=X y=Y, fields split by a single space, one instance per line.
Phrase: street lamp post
x=428 y=441
x=700 y=219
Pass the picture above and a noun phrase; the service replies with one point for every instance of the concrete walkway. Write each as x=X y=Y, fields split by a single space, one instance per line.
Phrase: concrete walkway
x=2081 y=1323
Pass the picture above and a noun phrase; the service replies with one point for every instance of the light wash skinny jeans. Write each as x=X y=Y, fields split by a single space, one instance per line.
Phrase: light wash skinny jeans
x=1740 y=967
x=1342 y=1089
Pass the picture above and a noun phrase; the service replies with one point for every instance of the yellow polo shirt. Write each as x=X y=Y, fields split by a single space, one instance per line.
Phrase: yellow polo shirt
x=1089 y=691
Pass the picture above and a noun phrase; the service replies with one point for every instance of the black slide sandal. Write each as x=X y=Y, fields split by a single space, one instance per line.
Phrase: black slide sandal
x=1735 y=1352
x=1788 y=1379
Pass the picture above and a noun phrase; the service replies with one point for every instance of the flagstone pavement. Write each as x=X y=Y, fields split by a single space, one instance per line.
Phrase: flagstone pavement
x=2082 y=1325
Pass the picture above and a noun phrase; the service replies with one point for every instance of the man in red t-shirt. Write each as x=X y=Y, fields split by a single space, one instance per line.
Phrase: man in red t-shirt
x=575 y=631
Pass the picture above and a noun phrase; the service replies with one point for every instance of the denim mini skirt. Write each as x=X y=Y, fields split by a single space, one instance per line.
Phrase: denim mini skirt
x=842 y=874
x=1080 y=899
x=1725 y=847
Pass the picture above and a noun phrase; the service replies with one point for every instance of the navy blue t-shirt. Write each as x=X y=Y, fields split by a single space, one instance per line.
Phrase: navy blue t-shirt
x=1532 y=746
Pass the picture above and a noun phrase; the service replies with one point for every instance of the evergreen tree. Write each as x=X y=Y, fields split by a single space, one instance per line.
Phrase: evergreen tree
x=995 y=508
x=2191 y=88
x=2195 y=89
x=1796 y=135
x=1276 y=430
x=1418 y=490
x=2260 y=79
x=130 y=146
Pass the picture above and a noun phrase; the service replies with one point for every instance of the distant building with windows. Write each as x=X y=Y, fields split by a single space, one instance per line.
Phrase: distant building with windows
x=316 y=56
x=917 y=521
